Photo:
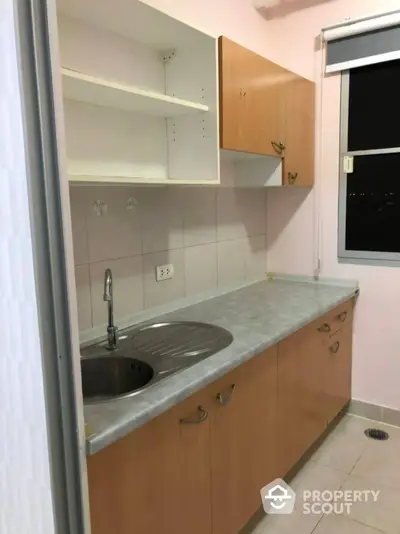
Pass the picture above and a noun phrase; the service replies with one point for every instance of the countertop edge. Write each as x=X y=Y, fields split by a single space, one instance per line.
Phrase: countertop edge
x=97 y=442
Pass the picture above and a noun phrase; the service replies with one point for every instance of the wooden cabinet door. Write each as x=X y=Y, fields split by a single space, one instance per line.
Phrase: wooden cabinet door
x=251 y=100
x=157 y=479
x=299 y=136
x=338 y=355
x=301 y=396
x=243 y=433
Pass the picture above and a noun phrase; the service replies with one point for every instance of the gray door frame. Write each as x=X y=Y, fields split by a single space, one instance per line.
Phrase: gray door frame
x=36 y=31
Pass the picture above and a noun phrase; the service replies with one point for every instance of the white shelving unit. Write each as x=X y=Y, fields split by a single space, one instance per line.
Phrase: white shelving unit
x=140 y=95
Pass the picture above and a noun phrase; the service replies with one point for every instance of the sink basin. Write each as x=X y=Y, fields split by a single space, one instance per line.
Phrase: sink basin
x=113 y=376
x=145 y=355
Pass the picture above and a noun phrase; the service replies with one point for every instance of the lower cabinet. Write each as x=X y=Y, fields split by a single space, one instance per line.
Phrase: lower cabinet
x=197 y=468
x=243 y=431
x=157 y=479
x=314 y=382
x=338 y=371
x=301 y=399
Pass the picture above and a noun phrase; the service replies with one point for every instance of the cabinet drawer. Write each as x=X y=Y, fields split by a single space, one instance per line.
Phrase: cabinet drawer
x=336 y=319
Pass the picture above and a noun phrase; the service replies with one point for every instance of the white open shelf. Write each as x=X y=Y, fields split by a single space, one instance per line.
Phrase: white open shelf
x=121 y=180
x=140 y=95
x=91 y=90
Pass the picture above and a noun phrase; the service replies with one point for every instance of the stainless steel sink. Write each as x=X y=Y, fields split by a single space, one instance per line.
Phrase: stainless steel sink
x=146 y=355
x=112 y=376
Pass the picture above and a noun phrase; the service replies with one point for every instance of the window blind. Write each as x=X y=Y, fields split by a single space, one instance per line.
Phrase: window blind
x=362 y=42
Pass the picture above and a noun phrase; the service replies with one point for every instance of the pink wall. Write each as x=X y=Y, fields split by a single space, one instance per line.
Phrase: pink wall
x=290 y=40
x=376 y=369
x=237 y=19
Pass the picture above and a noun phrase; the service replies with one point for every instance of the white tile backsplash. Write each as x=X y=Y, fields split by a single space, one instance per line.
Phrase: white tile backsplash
x=214 y=237
x=162 y=222
x=201 y=268
x=79 y=227
x=231 y=262
x=199 y=206
x=157 y=293
x=82 y=281
x=241 y=213
x=256 y=257
x=127 y=285
x=117 y=232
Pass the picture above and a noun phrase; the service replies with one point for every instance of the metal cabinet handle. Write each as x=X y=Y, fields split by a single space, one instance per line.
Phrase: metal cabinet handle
x=278 y=147
x=342 y=316
x=324 y=328
x=224 y=400
x=292 y=177
x=202 y=416
x=335 y=347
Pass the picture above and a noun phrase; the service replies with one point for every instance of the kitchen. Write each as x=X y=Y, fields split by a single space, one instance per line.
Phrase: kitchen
x=182 y=207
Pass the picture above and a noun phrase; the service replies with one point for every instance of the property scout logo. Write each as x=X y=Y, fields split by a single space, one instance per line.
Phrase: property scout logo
x=279 y=498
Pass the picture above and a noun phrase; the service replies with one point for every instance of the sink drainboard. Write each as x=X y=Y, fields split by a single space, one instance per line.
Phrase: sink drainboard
x=181 y=339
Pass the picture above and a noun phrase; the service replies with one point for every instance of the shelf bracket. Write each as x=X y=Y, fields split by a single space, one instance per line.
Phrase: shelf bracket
x=167 y=55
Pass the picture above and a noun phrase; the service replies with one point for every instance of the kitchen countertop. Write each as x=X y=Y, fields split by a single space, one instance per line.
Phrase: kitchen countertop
x=258 y=316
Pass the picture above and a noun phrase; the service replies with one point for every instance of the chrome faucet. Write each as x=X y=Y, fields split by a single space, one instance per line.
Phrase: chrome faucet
x=108 y=297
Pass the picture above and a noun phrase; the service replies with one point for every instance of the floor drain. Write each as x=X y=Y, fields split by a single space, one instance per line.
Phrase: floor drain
x=374 y=433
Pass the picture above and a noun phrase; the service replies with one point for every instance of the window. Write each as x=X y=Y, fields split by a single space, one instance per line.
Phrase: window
x=369 y=197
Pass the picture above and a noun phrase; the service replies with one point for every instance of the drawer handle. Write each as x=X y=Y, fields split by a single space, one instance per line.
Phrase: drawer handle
x=278 y=147
x=202 y=416
x=225 y=400
x=324 y=328
x=342 y=316
x=292 y=177
x=335 y=347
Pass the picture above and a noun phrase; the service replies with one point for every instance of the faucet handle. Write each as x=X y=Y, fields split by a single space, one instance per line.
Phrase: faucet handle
x=112 y=337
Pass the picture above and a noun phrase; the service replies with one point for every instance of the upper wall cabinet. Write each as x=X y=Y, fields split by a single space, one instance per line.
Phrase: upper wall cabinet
x=299 y=132
x=269 y=111
x=251 y=100
x=140 y=95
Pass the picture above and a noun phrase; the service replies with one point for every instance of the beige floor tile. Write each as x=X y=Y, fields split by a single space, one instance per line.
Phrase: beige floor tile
x=342 y=525
x=354 y=426
x=341 y=452
x=380 y=462
x=287 y=524
x=384 y=514
x=317 y=477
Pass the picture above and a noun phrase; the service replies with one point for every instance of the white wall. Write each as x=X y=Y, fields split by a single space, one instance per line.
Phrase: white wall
x=25 y=492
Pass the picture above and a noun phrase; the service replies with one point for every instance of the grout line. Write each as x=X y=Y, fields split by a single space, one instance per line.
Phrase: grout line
x=319 y=521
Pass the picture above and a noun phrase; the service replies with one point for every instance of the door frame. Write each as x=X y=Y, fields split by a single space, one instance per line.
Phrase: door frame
x=50 y=220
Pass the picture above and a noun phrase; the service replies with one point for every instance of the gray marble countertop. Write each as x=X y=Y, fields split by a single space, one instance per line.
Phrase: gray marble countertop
x=258 y=316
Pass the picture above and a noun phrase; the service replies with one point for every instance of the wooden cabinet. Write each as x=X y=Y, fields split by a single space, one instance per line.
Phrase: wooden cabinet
x=338 y=351
x=200 y=465
x=301 y=396
x=299 y=133
x=157 y=479
x=243 y=430
x=267 y=110
x=314 y=382
x=251 y=100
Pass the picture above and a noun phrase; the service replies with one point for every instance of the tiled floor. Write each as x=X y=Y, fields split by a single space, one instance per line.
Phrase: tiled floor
x=348 y=460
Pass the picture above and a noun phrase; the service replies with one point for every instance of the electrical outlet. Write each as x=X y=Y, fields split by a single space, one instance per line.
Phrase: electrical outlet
x=164 y=272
